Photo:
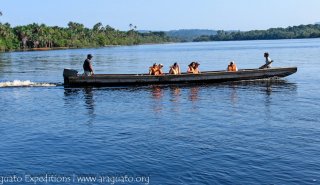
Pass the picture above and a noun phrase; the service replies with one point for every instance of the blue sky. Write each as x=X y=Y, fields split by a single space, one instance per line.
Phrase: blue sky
x=164 y=14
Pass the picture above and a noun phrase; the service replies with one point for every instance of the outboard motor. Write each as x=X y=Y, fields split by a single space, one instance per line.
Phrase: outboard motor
x=69 y=73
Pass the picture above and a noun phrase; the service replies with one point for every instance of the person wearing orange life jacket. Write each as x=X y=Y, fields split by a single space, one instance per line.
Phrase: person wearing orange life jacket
x=153 y=70
x=196 y=68
x=175 y=69
x=232 y=67
x=191 y=67
x=160 y=72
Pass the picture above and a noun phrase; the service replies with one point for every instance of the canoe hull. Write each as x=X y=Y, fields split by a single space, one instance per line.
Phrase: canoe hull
x=72 y=79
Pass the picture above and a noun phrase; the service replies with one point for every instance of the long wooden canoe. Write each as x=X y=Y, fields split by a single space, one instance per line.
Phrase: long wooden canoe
x=72 y=78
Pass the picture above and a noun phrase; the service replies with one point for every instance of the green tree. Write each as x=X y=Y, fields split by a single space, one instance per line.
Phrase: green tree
x=75 y=35
x=8 y=39
x=302 y=31
x=97 y=27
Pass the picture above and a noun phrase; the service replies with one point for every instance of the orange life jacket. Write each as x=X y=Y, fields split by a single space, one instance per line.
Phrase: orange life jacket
x=174 y=70
x=159 y=72
x=196 y=71
x=154 y=70
x=232 y=67
x=190 y=69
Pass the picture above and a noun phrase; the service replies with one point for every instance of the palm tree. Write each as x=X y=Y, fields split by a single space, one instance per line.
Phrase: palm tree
x=130 y=25
x=24 y=34
x=3 y=31
x=97 y=27
x=0 y=13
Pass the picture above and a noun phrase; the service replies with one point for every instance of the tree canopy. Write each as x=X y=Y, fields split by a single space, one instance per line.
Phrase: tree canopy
x=76 y=35
x=292 y=32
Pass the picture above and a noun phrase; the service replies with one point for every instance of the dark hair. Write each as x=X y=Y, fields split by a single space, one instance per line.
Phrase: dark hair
x=89 y=56
x=266 y=54
x=192 y=63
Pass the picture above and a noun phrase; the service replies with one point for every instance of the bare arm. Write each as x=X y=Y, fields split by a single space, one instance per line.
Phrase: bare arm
x=91 y=68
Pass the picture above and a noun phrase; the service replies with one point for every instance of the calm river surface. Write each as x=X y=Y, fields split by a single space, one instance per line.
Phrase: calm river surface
x=265 y=132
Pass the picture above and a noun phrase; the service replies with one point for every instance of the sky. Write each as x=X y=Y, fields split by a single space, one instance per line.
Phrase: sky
x=164 y=15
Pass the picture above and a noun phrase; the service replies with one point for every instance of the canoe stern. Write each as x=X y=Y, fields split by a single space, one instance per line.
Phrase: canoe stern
x=67 y=73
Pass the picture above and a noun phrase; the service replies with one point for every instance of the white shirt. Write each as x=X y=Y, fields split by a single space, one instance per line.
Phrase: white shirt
x=268 y=60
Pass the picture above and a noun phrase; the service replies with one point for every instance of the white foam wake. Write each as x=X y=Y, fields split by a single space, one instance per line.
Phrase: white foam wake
x=27 y=83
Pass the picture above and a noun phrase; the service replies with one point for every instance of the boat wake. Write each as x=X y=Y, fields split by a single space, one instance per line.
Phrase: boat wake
x=27 y=83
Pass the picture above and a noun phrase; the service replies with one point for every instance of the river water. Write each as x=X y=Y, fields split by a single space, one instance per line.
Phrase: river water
x=258 y=132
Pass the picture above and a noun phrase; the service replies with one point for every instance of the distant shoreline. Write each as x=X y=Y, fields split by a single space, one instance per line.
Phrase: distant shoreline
x=66 y=48
x=291 y=32
x=40 y=37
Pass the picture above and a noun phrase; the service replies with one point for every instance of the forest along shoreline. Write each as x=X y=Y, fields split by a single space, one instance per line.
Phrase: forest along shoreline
x=39 y=37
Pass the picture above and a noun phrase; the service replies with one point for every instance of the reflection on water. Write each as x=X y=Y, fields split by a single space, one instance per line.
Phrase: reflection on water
x=70 y=93
x=157 y=94
x=89 y=101
x=194 y=93
x=233 y=94
x=87 y=94
x=266 y=85
x=175 y=97
x=272 y=89
x=72 y=96
x=175 y=93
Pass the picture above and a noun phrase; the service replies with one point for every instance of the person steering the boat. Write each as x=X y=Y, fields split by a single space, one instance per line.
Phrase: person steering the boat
x=87 y=66
x=232 y=67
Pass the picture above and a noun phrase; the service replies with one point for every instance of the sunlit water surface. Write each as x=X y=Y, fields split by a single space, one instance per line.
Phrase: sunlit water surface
x=259 y=132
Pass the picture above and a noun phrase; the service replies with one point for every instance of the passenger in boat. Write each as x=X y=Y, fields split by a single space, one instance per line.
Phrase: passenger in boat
x=87 y=66
x=153 y=69
x=156 y=69
x=160 y=72
x=175 y=69
x=232 y=67
x=268 y=60
x=191 y=67
x=196 y=68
